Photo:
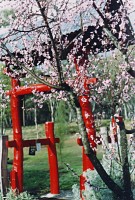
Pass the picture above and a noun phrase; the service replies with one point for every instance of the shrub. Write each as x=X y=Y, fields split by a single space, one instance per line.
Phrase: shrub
x=12 y=196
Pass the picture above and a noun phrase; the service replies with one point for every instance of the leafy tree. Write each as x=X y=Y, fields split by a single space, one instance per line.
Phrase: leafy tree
x=111 y=90
x=4 y=103
x=6 y=16
x=61 y=119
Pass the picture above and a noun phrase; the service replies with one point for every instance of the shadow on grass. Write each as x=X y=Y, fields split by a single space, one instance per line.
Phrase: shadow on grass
x=36 y=181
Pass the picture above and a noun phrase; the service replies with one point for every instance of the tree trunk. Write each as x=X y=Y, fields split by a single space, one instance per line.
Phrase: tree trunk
x=52 y=104
x=125 y=112
x=125 y=164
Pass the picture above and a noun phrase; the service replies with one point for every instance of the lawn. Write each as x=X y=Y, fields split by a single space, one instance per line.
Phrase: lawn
x=36 y=169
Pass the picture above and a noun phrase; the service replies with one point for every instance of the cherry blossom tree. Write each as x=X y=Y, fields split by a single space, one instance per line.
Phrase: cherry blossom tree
x=44 y=33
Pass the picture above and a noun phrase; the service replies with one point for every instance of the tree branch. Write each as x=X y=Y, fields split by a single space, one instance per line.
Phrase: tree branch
x=28 y=31
x=115 y=41
x=130 y=131
x=60 y=74
x=30 y=72
x=131 y=72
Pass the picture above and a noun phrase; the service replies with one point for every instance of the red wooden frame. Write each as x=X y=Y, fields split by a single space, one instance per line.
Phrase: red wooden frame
x=18 y=143
x=16 y=175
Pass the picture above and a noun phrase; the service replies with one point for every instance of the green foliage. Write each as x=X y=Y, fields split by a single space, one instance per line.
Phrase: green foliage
x=22 y=196
x=4 y=101
x=5 y=16
x=73 y=128
x=31 y=109
x=62 y=112
x=61 y=119
x=109 y=97
x=95 y=189
x=105 y=122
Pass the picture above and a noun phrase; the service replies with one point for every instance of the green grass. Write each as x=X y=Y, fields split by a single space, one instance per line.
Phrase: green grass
x=36 y=169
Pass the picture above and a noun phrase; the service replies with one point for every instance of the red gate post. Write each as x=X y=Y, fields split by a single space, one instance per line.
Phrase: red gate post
x=52 y=157
x=114 y=129
x=88 y=119
x=17 y=170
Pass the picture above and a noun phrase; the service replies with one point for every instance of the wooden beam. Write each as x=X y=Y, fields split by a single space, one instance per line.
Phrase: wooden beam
x=3 y=164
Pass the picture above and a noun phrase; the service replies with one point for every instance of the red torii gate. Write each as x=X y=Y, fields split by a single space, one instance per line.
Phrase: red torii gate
x=16 y=175
x=18 y=143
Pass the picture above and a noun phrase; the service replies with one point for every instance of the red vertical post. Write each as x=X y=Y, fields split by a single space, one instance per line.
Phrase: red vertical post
x=52 y=157
x=17 y=169
x=88 y=119
x=114 y=127
x=82 y=185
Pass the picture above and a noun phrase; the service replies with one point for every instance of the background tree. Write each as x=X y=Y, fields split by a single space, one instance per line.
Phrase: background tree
x=115 y=87
x=5 y=16
x=61 y=119
x=5 y=119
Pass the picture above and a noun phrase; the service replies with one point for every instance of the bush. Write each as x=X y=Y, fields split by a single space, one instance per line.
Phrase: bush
x=11 y=195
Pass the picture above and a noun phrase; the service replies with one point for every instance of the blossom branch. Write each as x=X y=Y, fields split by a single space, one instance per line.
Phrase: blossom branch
x=130 y=131
x=115 y=41
x=31 y=72
x=60 y=75
x=28 y=31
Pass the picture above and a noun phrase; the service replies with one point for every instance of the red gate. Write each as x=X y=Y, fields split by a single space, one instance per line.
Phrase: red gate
x=16 y=175
x=18 y=143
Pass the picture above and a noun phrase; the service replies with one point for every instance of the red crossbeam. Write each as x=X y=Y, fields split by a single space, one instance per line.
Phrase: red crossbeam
x=28 y=143
x=23 y=90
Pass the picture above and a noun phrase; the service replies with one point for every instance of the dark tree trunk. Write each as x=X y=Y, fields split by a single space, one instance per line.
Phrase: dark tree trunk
x=125 y=164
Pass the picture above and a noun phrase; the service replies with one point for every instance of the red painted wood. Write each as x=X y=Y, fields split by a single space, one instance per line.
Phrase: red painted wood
x=18 y=143
x=82 y=185
x=28 y=143
x=11 y=143
x=16 y=175
x=29 y=89
x=17 y=169
x=13 y=180
x=88 y=119
x=52 y=157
